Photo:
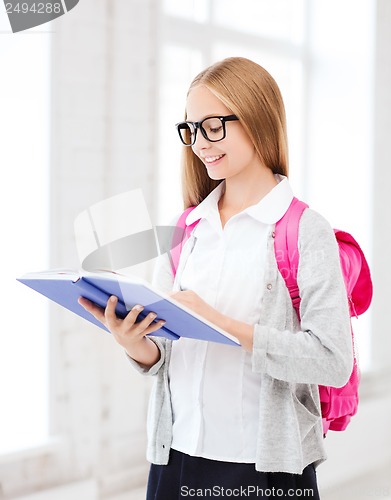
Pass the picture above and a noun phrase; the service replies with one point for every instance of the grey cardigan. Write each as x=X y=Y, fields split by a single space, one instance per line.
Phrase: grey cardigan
x=292 y=358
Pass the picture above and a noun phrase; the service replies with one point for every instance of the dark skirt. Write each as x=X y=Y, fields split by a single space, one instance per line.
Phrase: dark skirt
x=195 y=477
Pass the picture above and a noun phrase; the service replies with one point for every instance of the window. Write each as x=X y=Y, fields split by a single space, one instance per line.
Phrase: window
x=24 y=208
x=320 y=55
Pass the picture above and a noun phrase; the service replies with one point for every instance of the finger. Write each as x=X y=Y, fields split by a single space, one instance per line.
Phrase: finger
x=110 y=314
x=132 y=315
x=95 y=310
x=154 y=327
x=146 y=322
x=144 y=328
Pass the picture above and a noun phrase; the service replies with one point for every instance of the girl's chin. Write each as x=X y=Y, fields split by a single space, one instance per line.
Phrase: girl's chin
x=215 y=172
x=215 y=176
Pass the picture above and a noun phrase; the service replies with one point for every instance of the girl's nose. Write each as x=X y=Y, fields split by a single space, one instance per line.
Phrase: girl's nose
x=200 y=142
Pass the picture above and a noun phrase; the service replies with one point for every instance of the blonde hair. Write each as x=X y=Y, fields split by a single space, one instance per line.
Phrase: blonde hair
x=252 y=94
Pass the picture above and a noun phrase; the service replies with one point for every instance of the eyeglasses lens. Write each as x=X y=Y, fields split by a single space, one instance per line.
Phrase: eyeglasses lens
x=186 y=131
x=214 y=129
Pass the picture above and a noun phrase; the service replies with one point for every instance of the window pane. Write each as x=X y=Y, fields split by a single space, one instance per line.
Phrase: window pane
x=282 y=19
x=194 y=10
x=340 y=126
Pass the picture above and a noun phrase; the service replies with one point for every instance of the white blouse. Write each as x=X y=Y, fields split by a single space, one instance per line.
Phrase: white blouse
x=214 y=393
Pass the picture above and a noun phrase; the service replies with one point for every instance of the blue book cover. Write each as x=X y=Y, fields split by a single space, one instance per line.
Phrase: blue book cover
x=65 y=287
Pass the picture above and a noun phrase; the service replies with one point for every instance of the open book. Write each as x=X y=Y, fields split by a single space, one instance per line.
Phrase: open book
x=65 y=287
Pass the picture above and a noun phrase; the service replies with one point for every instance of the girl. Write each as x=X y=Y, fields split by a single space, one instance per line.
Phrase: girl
x=240 y=421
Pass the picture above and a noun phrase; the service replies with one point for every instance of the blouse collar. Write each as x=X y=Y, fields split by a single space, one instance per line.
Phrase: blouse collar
x=269 y=210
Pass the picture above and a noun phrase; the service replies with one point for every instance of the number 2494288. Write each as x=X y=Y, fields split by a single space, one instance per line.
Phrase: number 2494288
x=34 y=8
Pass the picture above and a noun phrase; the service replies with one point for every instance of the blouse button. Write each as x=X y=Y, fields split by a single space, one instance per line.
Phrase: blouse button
x=273 y=234
x=269 y=286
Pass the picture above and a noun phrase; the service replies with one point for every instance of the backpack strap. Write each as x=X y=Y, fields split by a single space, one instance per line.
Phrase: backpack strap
x=181 y=235
x=286 y=250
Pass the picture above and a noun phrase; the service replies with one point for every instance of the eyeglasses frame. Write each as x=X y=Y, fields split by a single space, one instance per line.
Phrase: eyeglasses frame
x=198 y=125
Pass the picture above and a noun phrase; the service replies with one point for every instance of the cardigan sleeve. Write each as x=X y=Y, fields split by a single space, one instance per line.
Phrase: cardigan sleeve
x=153 y=370
x=321 y=352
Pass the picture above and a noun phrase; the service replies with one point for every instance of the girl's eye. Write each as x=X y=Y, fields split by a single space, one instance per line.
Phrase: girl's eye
x=215 y=130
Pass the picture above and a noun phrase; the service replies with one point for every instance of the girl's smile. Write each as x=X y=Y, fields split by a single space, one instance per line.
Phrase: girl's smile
x=212 y=159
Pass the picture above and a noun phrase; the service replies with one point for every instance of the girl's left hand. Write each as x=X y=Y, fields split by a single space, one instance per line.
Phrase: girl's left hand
x=242 y=331
x=194 y=302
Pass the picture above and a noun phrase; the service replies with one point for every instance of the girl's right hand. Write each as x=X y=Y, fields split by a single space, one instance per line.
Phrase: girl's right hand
x=129 y=334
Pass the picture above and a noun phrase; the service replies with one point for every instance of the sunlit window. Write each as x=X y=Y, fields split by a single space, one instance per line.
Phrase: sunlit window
x=280 y=20
x=194 y=10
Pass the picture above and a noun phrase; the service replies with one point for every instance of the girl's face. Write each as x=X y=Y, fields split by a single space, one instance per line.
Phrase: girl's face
x=233 y=156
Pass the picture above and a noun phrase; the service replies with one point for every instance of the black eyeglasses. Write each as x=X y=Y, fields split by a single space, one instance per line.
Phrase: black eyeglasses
x=212 y=128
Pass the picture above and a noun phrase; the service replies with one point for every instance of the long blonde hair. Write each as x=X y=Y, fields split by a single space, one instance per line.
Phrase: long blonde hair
x=252 y=94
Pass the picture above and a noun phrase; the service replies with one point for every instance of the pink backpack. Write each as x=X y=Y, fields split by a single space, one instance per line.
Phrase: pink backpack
x=338 y=404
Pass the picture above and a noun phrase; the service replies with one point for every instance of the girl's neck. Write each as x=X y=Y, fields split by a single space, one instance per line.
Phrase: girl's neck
x=242 y=192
